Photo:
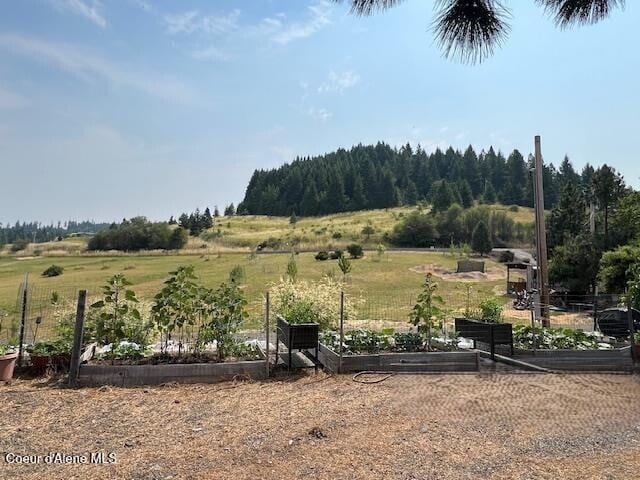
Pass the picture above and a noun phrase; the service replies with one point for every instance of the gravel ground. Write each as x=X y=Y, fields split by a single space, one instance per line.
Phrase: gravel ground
x=508 y=426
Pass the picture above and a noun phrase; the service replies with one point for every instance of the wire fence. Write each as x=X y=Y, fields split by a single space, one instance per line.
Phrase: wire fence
x=45 y=313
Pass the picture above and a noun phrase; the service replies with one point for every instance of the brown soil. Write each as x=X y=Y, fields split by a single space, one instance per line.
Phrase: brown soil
x=490 y=273
x=408 y=427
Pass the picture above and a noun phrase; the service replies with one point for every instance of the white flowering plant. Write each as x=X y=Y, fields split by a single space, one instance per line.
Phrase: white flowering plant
x=319 y=302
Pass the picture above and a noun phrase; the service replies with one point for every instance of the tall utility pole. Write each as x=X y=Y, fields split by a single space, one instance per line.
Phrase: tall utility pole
x=541 y=238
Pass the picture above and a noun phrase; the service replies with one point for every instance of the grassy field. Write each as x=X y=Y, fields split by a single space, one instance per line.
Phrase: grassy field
x=386 y=284
x=385 y=287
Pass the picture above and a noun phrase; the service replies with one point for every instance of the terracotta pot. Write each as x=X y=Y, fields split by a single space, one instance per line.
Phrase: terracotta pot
x=7 y=364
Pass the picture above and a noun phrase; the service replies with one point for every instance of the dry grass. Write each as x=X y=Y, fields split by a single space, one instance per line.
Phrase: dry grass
x=409 y=427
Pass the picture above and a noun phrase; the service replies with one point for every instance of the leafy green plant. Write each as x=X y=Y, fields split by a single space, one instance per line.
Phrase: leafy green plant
x=179 y=303
x=426 y=314
x=490 y=310
x=632 y=296
x=527 y=337
x=381 y=250
x=53 y=271
x=6 y=350
x=226 y=308
x=323 y=297
x=126 y=351
x=47 y=349
x=237 y=275
x=292 y=268
x=344 y=264
x=116 y=312
x=300 y=311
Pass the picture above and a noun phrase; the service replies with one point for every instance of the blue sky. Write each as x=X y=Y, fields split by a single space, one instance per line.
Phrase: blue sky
x=110 y=109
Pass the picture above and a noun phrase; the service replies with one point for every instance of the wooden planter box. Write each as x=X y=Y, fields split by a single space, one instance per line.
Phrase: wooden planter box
x=136 y=375
x=419 y=362
x=618 y=360
x=298 y=336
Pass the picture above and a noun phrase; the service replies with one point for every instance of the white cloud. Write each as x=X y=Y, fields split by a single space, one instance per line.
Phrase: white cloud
x=339 y=82
x=319 y=17
x=10 y=100
x=211 y=53
x=90 y=9
x=321 y=114
x=187 y=23
x=89 y=66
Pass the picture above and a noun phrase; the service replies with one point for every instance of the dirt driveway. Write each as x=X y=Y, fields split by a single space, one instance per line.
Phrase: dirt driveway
x=408 y=427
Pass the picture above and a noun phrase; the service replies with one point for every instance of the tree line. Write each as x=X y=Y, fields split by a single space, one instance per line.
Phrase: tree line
x=594 y=233
x=479 y=225
x=379 y=176
x=37 y=232
x=137 y=234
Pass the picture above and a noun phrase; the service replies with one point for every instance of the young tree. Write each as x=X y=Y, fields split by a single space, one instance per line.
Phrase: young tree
x=481 y=239
x=607 y=187
x=426 y=314
x=568 y=217
x=574 y=264
x=466 y=197
x=293 y=219
x=489 y=196
x=443 y=197
x=344 y=264
x=230 y=210
x=207 y=219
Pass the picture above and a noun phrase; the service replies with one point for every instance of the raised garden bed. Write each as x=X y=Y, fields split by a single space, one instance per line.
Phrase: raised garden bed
x=136 y=375
x=156 y=370
x=419 y=362
x=614 y=360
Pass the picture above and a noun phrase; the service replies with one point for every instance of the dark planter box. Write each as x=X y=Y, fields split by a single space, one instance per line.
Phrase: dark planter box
x=298 y=336
x=490 y=333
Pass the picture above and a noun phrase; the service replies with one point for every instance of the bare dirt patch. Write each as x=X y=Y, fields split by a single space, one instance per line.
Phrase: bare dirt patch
x=490 y=273
x=408 y=427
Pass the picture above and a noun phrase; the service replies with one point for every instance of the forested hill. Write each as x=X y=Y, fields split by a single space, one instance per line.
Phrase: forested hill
x=380 y=176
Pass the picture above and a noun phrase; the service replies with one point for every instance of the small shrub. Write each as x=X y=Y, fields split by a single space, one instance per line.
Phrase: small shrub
x=19 y=245
x=336 y=255
x=336 y=235
x=322 y=256
x=355 y=250
x=514 y=208
x=53 y=271
x=345 y=265
x=489 y=310
x=237 y=275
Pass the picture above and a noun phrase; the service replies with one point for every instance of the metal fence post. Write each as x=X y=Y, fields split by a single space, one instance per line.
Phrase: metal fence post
x=267 y=305
x=74 y=368
x=595 y=309
x=23 y=319
x=341 y=331
x=632 y=338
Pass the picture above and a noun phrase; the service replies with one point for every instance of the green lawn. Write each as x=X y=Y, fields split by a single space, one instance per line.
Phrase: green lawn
x=385 y=283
